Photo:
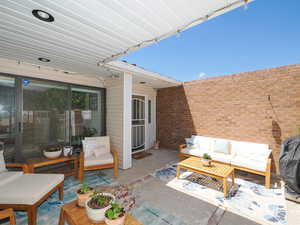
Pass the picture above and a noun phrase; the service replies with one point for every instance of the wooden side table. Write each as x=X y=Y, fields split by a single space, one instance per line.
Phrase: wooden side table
x=43 y=161
x=74 y=215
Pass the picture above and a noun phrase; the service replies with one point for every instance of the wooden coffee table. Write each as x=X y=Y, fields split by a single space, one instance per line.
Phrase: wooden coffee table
x=216 y=170
x=74 y=215
x=43 y=161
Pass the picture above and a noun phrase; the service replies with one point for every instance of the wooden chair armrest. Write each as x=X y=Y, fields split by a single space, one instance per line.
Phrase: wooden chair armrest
x=181 y=147
x=6 y=213
x=115 y=154
x=24 y=167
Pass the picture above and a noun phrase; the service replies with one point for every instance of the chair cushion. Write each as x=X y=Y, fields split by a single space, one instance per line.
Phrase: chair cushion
x=6 y=176
x=97 y=145
x=2 y=162
x=28 y=188
x=103 y=159
x=249 y=163
x=225 y=158
x=194 y=151
x=221 y=146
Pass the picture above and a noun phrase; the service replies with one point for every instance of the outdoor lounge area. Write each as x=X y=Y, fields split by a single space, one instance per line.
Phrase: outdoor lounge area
x=88 y=138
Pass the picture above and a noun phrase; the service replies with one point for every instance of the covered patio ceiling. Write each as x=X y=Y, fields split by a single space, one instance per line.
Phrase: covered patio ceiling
x=82 y=36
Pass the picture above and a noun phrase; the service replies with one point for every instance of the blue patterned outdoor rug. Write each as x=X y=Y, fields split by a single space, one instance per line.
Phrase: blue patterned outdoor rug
x=48 y=212
x=248 y=199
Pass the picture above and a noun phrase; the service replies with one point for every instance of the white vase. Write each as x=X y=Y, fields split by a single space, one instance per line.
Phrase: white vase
x=52 y=155
x=206 y=162
x=97 y=215
x=68 y=151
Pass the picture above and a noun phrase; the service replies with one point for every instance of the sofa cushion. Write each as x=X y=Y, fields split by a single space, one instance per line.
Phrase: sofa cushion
x=205 y=143
x=28 y=188
x=249 y=149
x=221 y=146
x=249 y=163
x=6 y=176
x=194 y=151
x=103 y=159
x=225 y=158
x=2 y=162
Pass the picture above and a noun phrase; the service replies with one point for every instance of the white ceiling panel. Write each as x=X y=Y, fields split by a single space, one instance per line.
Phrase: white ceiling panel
x=86 y=33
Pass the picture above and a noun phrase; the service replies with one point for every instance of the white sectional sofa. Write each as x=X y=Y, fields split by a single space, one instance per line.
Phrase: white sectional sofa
x=246 y=156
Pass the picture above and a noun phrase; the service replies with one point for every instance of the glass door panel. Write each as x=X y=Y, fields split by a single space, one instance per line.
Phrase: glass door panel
x=86 y=114
x=7 y=117
x=45 y=116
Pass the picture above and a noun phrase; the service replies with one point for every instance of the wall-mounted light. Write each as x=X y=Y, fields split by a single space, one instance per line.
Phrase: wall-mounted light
x=42 y=15
x=44 y=60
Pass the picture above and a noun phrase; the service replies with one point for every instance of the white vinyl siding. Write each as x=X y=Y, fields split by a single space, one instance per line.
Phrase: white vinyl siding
x=114 y=114
x=28 y=70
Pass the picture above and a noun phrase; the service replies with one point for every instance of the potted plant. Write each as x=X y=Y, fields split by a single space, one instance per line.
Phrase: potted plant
x=96 y=206
x=206 y=159
x=115 y=215
x=52 y=151
x=83 y=194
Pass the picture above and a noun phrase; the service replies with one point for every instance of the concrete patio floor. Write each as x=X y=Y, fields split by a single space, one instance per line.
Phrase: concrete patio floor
x=190 y=210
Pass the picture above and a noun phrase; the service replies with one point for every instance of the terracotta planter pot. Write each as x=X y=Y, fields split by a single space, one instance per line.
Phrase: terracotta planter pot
x=206 y=162
x=97 y=215
x=81 y=198
x=118 y=221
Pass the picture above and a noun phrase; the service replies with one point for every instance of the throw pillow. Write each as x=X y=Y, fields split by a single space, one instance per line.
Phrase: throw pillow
x=2 y=162
x=222 y=146
x=191 y=143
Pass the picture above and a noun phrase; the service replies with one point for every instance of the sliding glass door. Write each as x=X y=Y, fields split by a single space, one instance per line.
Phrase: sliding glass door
x=45 y=116
x=37 y=113
x=7 y=117
x=87 y=113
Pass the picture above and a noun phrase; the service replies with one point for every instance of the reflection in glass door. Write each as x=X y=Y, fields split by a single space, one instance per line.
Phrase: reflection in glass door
x=85 y=114
x=45 y=116
x=7 y=117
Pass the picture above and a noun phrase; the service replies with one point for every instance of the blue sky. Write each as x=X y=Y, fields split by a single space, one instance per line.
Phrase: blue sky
x=266 y=34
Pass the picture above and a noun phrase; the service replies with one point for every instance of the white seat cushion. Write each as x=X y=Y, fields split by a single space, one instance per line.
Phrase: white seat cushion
x=249 y=163
x=194 y=151
x=225 y=158
x=28 y=188
x=101 y=160
x=6 y=177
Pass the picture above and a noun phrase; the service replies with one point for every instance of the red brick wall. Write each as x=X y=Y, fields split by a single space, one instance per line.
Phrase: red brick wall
x=261 y=106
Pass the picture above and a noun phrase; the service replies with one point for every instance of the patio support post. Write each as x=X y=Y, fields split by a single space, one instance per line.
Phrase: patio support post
x=127 y=108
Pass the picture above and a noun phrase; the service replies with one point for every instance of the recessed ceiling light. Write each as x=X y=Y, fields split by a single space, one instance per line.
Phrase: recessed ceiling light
x=44 y=60
x=42 y=15
x=142 y=82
